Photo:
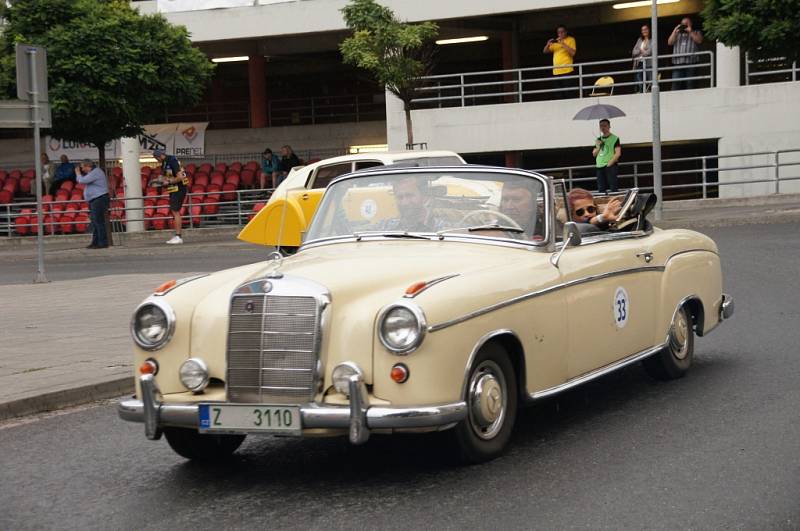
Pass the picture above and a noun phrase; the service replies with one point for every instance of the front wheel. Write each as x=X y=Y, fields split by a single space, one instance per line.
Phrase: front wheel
x=675 y=359
x=491 y=398
x=196 y=446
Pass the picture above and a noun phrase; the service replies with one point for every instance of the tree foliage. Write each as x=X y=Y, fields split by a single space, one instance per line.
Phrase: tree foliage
x=110 y=69
x=763 y=28
x=397 y=54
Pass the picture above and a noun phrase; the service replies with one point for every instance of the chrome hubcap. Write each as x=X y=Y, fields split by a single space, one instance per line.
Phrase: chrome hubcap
x=679 y=335
x=487 y=400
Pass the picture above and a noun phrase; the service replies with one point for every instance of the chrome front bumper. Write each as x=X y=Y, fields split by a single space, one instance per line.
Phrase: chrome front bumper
x=726 y=308
x=359 y=418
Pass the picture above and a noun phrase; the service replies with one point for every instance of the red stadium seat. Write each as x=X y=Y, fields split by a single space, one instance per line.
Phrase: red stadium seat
x=67 y=226
x=235 y=166
x=25 y=185
x=3 y=175
x=15 y=174
x=21 y=225
x=256 y=208
x=248 y=178
x=214 y=188
x=217 y=178
x=210 y=207
x=67 y=185
x=29 y=173
x=198 y=189
x=201 y=178
x=233 y=178
x=11 y=185
x=81 y=222
x=80 y=186
x=206 y=167
x=191 y=168
x=5 y=197
x=76 y=195
x=221 y=167
x=230 y=192
x=252 y=165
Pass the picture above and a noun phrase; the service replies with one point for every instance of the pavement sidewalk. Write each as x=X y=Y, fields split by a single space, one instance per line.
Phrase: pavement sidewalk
x=67 y=342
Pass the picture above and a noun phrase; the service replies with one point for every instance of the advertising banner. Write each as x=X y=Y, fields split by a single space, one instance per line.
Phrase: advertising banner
x=182 y=140
x=172 y=6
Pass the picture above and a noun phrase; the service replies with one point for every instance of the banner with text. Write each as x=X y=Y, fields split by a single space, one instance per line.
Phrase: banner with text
x=181 y=140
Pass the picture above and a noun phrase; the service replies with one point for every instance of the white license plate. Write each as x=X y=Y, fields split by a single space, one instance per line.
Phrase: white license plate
x=251 y=418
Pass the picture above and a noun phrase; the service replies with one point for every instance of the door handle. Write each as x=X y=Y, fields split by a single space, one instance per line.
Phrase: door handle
x=305 y=197
x=647 y=255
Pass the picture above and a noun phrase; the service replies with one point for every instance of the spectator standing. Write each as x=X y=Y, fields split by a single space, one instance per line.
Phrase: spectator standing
x=174 y=179
x=269 y=169
x=96 y=193
x=48 y=172
x=684 y=39
x=607 y=151
x=563 y=48
x=288 y=161
x=642 y=59
x=64 y=172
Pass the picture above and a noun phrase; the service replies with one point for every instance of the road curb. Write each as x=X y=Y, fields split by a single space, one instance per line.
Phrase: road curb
x=66 y=398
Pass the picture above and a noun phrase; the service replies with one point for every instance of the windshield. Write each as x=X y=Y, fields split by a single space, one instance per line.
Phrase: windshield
x=434 y=204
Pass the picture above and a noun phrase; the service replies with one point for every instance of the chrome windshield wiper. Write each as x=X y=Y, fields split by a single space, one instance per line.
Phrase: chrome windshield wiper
x=390 y=234
x=478 y=228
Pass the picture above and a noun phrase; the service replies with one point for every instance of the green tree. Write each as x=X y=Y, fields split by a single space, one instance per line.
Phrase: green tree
x=110 y=69
x=397 y=54
x=763 y=28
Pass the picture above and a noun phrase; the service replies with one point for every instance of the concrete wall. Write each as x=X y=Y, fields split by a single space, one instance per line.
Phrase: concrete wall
x=312 y=16
x=744 y=119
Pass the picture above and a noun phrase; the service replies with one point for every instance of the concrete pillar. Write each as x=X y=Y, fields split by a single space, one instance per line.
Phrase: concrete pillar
x=256 y=68
x=133 y=184
x=728 y=66
x=510 y=61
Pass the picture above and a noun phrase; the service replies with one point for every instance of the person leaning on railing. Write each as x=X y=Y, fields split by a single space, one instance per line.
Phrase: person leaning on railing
x=642 y=54
x=684 y=40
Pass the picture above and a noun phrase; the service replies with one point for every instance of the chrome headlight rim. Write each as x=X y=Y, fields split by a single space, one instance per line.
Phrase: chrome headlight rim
x=422 y=327
x=203 y=366
x=170 y=315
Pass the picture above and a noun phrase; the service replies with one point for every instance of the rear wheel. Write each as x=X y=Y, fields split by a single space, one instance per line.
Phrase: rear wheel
x=193 y=445
x=676 y=358
x=491 y=398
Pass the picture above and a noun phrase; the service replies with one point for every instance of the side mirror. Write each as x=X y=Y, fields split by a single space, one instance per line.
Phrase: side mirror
x=572 y=238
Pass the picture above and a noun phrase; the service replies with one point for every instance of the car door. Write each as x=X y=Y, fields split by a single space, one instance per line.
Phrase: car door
x=611 y=292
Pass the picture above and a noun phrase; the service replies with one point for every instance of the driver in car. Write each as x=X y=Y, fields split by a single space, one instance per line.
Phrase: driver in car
x=584 y=209
x=518 y=202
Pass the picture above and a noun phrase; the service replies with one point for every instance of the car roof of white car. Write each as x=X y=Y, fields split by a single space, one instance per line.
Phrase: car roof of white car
x=297 y=179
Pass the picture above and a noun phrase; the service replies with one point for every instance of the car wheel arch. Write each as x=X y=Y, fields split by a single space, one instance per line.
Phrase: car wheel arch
x=696 y=311
x=512 y=345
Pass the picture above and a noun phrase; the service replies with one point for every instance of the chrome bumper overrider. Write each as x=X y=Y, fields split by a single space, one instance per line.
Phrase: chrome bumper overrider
x=359 y=418
x=726 y=308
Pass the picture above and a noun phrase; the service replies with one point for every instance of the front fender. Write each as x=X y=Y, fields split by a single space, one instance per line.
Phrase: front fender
x=265 y=228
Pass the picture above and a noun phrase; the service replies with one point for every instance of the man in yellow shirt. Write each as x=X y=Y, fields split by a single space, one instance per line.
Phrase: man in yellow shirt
x=563 y=48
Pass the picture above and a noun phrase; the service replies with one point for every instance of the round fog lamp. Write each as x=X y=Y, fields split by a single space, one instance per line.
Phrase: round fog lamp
x=194 y=374
x=341 y=376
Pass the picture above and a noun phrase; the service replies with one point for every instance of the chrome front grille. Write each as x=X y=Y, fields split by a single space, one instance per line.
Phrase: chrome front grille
x=273 y=344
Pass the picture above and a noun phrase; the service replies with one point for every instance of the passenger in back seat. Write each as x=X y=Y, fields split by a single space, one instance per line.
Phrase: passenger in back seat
x=583 y=209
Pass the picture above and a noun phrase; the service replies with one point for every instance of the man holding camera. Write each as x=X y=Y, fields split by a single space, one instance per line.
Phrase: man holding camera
x=173 y=180
x=96 y=193
x=684 y=40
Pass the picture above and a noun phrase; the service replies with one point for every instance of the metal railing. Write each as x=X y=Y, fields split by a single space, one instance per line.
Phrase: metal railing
x=684 y=177
x=538 y=83
x=700 y=174
x=327 y=109
x=227 y=115
x=769 y=70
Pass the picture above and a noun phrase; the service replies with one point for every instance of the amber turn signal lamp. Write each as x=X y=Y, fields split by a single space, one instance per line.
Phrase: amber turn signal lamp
x=415 y=288
x=166 y=286
x=150 y=366
x=400 y=373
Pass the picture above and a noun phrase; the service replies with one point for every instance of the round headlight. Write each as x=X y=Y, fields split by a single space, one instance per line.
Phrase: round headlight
x=152 y=325
x=401 y=328
x=194 y=374
x=341 y=376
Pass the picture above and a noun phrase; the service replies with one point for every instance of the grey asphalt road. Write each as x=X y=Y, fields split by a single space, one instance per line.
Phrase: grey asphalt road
x=719 y=449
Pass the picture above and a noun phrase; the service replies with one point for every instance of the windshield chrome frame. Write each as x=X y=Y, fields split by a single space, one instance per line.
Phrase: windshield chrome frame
x=546 y=244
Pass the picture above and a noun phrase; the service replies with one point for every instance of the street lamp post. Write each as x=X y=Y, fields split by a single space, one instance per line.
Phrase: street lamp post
x=656 y=112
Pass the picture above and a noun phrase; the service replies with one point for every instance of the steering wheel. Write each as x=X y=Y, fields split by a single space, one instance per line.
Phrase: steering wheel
x=490 y=216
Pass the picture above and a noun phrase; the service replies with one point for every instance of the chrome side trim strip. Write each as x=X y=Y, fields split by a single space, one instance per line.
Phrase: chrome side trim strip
x=597 y=373
x=545 y=291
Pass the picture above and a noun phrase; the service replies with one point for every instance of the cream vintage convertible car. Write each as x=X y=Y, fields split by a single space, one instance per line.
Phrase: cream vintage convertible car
x=422 y=299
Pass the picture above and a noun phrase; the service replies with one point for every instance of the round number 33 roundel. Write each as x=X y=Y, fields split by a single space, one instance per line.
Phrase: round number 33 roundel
x=622 y=307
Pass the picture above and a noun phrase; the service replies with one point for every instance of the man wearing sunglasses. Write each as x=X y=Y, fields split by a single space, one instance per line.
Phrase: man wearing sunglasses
x=583 y=209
